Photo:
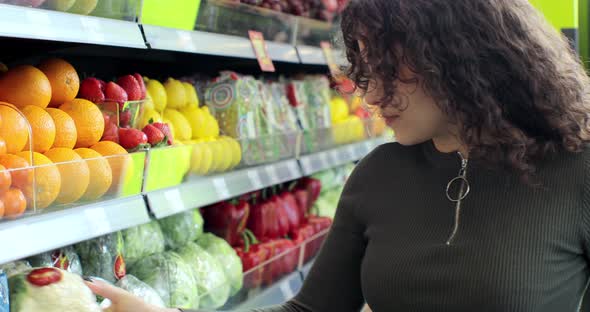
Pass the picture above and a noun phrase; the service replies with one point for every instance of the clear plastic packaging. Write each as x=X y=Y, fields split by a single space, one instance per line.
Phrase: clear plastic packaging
x=103 y=257
x=142 y=241
x=227 y=257
x=182 y=228
x=140 y=289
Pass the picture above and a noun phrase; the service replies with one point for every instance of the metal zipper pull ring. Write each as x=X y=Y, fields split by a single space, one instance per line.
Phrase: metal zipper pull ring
x=463 y=180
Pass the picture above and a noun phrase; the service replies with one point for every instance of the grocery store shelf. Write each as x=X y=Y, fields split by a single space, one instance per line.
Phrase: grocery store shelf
x=201 y=42
x=338 y=156
x=202 y=191
x=30 y=23
x=311 y=55
x=44 y=232
x=278 y=293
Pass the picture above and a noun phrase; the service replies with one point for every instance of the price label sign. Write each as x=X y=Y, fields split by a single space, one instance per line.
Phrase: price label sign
x=261 y=51
x=327 y=49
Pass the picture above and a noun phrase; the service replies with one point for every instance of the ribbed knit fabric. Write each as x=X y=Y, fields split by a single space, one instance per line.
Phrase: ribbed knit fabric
x=518 y=248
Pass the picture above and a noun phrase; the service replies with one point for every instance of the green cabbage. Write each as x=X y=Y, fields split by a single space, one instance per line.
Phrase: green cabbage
x=103 y=257
x=171 y=277
x=182 y=228
x=227 y=257
x=211 y=281
x=142 y=241
x=140 y=289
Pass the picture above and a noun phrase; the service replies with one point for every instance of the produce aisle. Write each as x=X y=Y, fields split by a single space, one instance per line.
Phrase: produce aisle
x=170 y=151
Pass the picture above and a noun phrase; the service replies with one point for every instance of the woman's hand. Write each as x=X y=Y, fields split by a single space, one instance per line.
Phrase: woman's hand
x=121 y=300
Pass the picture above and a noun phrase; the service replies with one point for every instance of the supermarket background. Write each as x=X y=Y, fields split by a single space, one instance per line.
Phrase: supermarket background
x=175 y=153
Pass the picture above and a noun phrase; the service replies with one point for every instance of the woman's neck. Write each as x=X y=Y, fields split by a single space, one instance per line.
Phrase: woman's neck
x=450 y=143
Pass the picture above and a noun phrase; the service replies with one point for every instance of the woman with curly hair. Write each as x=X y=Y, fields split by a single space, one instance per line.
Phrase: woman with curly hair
x=483 y=204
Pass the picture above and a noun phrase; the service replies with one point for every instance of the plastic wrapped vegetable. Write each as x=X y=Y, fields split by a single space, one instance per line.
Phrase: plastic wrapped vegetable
x=140 y=289
x=227 y=257
x=181 y=228
x=63 y=258
x=50 y=290
x=171 y=277
x=103 y=257
x=15 y=267
x=142 y=241
x=213 y=285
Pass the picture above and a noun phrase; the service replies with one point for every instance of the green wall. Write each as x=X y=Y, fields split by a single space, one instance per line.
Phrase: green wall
x=561 y=13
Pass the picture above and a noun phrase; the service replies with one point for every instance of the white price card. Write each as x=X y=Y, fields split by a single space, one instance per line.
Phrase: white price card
x=272 y=174
x=255 y=179
x=173 y=202
x=97 y=220
x=221 y=188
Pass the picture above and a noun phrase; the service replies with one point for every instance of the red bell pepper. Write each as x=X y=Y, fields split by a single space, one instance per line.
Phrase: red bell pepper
x=291 y=210
x=302 y=199
x=313 y=187
x=263 y=219
x=282 y=217
x=227 y=220
x=252 y=257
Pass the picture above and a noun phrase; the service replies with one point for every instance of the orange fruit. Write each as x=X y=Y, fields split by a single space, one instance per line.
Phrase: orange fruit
x=47 y=181
x=5 y=179
x=63 y=78
x=2 y=209
x=101 y=175
x=42 y=126
x=88 y=119
x=74 y=173
x=14 y=202
x=20 y=177
x=119 y=164
x=25 y=85
x=14 y=128
x=2 y=146
x=65 y=128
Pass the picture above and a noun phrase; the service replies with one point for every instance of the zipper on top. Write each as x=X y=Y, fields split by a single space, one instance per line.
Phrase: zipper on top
x=464 y=190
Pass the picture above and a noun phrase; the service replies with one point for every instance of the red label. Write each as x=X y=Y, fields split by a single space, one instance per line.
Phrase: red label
x=261 y=51
x=44 y=276
x=60 y=260
x=120 y=270
x=327 y=48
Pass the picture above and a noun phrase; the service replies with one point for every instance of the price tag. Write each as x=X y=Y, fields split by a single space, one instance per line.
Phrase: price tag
x=255 y=179
x=327 y=49
x=261 y=51
x=221 y=188
x=272 y=174
x=98 y=223
x=174 y=202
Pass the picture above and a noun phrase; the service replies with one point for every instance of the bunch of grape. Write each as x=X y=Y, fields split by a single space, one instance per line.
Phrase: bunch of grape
x=318 y=9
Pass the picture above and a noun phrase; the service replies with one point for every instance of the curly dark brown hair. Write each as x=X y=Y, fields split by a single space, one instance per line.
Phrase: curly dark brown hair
x=495 y=67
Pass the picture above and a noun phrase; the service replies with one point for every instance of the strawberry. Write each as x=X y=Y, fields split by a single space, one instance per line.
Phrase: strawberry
x=111 y=132
x=44 y=276
x=165 y=130
x=114 y=92
x=92 y=90
x=125 y=118
x=131 y=138
x=119 y=269
x=154 y=135
x=131 y=86
x=141 y=85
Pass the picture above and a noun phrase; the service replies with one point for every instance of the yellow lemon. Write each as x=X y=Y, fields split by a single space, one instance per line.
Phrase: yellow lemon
x=175 y=92
x=206 y=160
x=158 y=94
x=149 y=115
x=196 y=119
x=192 y=99
x=149 y=101
x=236 y=150
x=182 y=128
x=225 y=156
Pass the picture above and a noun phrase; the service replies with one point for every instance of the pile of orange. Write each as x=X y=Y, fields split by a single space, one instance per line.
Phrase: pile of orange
x=49 y=141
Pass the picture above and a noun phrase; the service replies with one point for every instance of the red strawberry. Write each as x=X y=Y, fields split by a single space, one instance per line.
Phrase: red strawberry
x=154 y=134
x=125 y=118
x=44 y=276
x=92 y=90
x=131 y=86
x=114 y=92
x=119 y=269
x=131 y=138
x=111 y=132
x=166 y=130
x=141 y=85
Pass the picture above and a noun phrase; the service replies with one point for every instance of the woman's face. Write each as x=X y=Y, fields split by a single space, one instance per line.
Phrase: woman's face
x=419 y=120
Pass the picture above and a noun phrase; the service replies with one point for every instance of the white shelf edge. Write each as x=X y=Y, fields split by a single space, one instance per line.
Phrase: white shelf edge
x=311 y=55
x=203 y=191
x=44 y=232
x=201 y=42
x=31 y=23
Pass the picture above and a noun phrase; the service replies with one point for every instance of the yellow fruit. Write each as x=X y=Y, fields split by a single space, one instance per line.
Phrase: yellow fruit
x=207 y=159
x=83 y=7
x=192 y=99
x=74 y=172
x=47 y=181
x=182 y=128
x=196 y=157
x=149 y=115
x=88 y=119
x=236 y=150
x=149 y=101
x=196 y=119
x=158 y=93
x=226 y=157
x=65 y=128
x=211 y=128
x=176 y=93
x=25 y=85
x=60 y=5
x=217 y=153
x=42 y=126
x=338 y=109
x=101 y=176
x=167 y=121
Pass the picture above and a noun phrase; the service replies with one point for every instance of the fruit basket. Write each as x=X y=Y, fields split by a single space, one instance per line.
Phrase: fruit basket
x=116 y=9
